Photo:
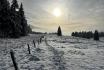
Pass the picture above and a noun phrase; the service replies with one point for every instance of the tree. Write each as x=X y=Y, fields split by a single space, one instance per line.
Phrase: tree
x=16 y=31
x=12 y=20
x=73 y=34
x=23 y=21
x=96 y=35
x=29 y=30
x=59 y=32
x=4 y=18
x=14 y=6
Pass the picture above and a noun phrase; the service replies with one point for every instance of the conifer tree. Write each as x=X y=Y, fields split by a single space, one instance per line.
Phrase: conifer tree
x=96 y=35
x=15 y=19
x=29 y=30
x=59 y=32
x=72 y=34
x=24 y=29
x=4 y=18
x=12 y=20
x=14 y=6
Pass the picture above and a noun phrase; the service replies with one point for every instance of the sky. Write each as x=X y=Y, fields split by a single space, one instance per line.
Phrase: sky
x=76 y=15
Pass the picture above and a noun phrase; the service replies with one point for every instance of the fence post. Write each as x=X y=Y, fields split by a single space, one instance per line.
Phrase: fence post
x=40 y=40
x=13 y=60
x=34 y=43
x=29 y=49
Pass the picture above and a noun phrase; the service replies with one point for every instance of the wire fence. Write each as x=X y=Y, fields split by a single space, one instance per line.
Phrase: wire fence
x=21 y=59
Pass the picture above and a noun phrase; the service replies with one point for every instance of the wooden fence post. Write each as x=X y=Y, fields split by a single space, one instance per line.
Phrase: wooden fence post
x=13 y=60
x=34 y=43
x=40 y=40
x=29 y=49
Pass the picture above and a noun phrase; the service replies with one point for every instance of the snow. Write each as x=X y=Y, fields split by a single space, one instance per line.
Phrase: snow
x=53 y=53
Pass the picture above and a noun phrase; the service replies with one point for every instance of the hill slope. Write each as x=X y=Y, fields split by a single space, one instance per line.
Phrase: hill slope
x=53 y=53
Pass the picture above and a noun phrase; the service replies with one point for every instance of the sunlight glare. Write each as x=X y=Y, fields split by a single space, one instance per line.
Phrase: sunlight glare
x=57 y=12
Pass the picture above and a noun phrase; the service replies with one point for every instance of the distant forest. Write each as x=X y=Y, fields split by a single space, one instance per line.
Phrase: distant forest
x=13 y=23
x=88 y=34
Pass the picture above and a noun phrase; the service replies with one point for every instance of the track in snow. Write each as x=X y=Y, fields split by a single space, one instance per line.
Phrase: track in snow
x=57 y=58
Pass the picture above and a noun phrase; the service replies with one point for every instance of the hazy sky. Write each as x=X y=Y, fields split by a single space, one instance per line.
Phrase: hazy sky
x=77 y=15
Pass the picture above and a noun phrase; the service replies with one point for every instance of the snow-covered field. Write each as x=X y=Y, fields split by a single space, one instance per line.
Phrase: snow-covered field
x=53 y=53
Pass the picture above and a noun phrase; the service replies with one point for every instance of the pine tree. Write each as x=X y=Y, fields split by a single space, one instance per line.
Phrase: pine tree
x=73 y=34
x=12 y=20
x=16 y=32
x=96 y=35
x=4 y=18
x=23 y=20
x=14 y=6
x=29 y=29
x=59 y=32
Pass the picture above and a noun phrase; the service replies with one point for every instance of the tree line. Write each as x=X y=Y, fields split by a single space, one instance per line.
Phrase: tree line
x=95 y=35
x=83 y=34
x=13 y=23
x=88 y=35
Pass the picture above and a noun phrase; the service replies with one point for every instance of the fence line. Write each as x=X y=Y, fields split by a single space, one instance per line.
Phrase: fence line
x=26 y=54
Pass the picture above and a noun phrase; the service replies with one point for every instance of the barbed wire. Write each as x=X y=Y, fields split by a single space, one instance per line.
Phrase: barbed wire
x=20 y=58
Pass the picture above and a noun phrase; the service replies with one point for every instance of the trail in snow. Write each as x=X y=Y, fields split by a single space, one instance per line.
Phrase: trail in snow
x=57 y=58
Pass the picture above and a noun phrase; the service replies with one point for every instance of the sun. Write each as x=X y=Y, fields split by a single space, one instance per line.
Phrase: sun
x=57 y=12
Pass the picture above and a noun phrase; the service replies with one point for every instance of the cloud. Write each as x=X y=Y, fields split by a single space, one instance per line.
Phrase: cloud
x=78 y=14
x=35 y=27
